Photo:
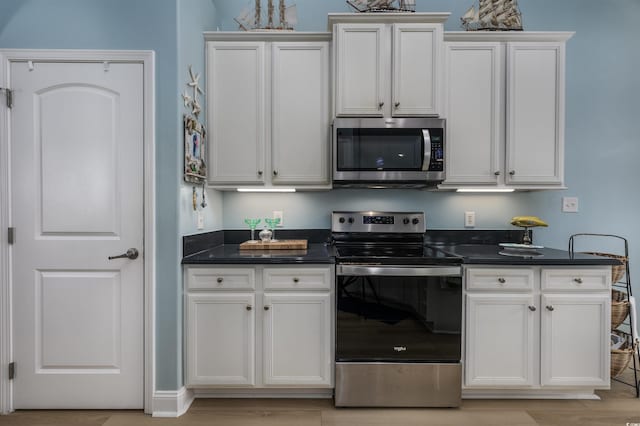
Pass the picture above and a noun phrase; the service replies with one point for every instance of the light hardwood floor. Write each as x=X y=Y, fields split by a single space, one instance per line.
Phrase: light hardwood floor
x=618 y=407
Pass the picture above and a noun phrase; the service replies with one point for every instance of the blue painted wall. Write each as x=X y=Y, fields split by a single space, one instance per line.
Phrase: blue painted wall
x=602 y=134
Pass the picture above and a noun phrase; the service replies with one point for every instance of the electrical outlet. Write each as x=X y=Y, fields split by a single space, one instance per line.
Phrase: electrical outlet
x=200 y=220
x=469 y=219
x=279 y=214
x=570 y=204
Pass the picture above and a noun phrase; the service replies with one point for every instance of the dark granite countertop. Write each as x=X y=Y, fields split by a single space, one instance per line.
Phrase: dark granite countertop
x=223 y=247
x=473 y=247
x=231 y=254
x=493 y=254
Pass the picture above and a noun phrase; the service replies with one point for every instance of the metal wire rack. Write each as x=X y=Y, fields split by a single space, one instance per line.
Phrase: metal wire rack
x=624 y=285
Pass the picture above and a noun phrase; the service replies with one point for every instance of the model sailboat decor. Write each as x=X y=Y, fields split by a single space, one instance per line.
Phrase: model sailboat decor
x=253 y=20
x=383 y=5
x=493 y=15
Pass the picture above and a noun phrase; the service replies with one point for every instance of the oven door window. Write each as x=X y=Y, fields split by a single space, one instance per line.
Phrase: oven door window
x=379 y=149
x=398 y=319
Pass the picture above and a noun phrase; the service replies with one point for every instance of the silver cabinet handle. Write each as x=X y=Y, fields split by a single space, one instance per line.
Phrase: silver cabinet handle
x=295 y=280
x=259 y=172
x=132 y=253
x=397 y=104
x=532 y=308
x=266 y=308
x=219 y=280
x=380 y=105
x=578 y=280
x=249 y=307
x=549 y=308
x=275 y=173
x=502 y=280
x=497 y=173
x=512 y=172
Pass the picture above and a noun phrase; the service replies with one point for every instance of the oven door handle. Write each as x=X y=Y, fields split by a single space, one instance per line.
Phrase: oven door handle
x=412 y=271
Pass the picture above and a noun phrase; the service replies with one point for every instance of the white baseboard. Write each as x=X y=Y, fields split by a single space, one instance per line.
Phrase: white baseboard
x=264 y=393
x=528 y=394
x=171 y=403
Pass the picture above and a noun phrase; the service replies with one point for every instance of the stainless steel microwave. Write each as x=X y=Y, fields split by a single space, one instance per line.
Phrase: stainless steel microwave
x=388 y=152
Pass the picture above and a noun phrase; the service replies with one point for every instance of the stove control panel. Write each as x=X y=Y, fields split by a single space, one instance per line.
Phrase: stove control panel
x=369 y=221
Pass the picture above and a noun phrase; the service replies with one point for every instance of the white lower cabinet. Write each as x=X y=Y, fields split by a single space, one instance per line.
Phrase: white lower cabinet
x=297 y=328
x=272 y=330
x=551 y=335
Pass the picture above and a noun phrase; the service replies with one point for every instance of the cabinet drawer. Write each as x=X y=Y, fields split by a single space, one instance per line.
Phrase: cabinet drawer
x=500 y=279
x=576 y=279
x=221 y=279
x=297 y=278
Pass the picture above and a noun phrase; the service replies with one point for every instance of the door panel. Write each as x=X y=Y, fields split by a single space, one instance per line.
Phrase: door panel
x=76 y=198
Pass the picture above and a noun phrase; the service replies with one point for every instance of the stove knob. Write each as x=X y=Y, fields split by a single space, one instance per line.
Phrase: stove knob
x=341 y=220
x=350 y=220
x=405 y=220
x=415 y=221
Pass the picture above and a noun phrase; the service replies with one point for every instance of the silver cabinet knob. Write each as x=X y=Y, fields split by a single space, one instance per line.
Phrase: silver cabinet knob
x=249 y=307
x=502 y=280
x=266 y=308
x=497 y=173
x=512 y=172
x=295 y=280
x=259 y=172
x=578 y=280
x=549 y=308
x=219 y=280
x=380 y=105
x=397 y=104
x=275 y=173
x=532 y=308
x=132 y=253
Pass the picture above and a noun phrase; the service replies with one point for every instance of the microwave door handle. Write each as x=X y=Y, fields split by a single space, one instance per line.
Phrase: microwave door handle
x=426 y=140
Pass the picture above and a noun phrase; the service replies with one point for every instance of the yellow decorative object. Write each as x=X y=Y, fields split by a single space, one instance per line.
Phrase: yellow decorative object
x=528 y=221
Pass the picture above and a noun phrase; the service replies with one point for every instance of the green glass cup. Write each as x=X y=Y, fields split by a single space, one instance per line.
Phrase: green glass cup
x=272 y=223
x=252 y=225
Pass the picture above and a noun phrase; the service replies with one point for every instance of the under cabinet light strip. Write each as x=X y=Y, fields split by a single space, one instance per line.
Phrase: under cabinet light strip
x=485 y=190
x=266 y=189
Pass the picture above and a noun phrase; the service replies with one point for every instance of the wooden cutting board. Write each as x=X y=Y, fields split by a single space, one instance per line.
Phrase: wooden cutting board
x=275 y=245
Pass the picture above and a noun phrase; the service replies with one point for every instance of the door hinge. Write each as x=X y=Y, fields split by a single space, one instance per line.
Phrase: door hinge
x=11 y=235
x=12 y=370
x=8 y=95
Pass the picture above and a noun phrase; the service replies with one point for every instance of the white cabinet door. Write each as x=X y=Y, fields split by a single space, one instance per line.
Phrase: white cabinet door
x=475 y=112
x=535 y=113
x=416 y=69
x=297 y=339
x=300 y=113
x=575 y=340
x=236 y=112
x=220 y=339
x=500 y=340
x=362 y=69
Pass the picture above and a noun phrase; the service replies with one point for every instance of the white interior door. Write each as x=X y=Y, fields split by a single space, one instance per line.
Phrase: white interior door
x=76 y=143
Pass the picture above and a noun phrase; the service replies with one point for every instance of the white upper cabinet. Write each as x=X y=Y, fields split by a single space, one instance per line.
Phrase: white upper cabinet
x=504 y=105
x=300 y=113
x=535 y=113
x=235 y=111
x=387 y=65
x=268 y=109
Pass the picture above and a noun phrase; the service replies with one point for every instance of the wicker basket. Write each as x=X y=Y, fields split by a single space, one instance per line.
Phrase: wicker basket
x=617 y=271
x=618 y=296
x=619 y=312
x=620 y=359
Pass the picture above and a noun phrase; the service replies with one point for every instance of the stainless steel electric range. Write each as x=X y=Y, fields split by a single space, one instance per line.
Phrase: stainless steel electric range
x=399 y=313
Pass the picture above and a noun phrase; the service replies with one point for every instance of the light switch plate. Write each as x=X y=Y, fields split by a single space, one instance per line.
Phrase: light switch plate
x=570 y=204
x=279 y=214
x=469 y=219
x=200 y=220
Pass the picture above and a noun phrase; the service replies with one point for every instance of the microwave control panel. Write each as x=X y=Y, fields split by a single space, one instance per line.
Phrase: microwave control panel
x=436 y=163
